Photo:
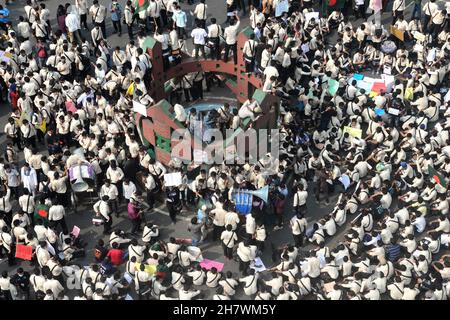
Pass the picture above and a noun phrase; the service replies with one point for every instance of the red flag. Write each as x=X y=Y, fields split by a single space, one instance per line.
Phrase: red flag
x=331 y=3
x=24 y=252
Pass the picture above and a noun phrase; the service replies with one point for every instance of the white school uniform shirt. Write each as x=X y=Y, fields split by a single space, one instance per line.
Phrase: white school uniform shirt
x=230 y=33
x=250 y=282
x=26 y=203
x=98 y=13
x=128 y=189
x=110 y=191
x=228 y=238
x=56 y=213
x=200 y=11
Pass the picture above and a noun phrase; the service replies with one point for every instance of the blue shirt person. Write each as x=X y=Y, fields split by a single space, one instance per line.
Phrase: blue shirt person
x=116 y=14
x=4 y=14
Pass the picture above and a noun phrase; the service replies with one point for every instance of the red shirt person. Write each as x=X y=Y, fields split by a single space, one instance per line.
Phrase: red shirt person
x=115 y=254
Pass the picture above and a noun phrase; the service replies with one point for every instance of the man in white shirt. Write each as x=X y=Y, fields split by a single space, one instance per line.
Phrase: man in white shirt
x=82 y=8
x=73 y=27
x=200 y=13
x=98 y=14
x=230 y=34
x=298 y=225
x=199 y=35
x=228 y=238
x=110 y=190
x=29 y=178
x=56 y=217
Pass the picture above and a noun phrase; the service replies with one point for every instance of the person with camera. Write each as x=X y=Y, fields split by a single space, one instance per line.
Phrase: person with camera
x=116 y=14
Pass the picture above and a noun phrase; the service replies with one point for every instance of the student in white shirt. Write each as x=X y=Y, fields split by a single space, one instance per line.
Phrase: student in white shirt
x=230 y=34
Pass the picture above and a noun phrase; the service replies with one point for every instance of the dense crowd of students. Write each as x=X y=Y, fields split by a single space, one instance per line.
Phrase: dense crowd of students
x=67 y=91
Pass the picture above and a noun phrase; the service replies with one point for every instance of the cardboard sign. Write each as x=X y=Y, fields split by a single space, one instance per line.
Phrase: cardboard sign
x=258 y=265
x=393 y=111
x=149 y=268
x=310 y=15
x=379 y=87
x=172 y=179
x=354 y=132
x=24 y=252
x=76 y=231
x=389 y=81
x=397 y=33
x=209 y=264
x=345 y=180
x=139 y=108
x=419 y=36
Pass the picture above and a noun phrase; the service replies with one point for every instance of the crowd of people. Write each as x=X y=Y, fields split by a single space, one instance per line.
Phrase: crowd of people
x=387 y=235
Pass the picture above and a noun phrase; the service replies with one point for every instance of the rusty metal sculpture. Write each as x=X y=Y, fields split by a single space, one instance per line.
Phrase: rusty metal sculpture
x=156 y=128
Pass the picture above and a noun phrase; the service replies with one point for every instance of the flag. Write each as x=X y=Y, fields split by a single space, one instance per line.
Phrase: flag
x=141 y=5
x=41 y=213
x=130 y=90
x=436 y=176
x=43 y=126
x=336 y=4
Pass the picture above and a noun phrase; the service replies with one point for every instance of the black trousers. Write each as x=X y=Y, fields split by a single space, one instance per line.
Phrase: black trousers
x=136 y=224
x=130 y=31
x=83 y=21
x=173 y=211
x=16 y=141
x=150 y=199
x=199 y=47
x=243 y=265
x=117 y=26
x=217 y=231
x=107 y=225
x=102 y=25
x=31 y=141
x=198 y=85
x=232 y=47
x=62 y=223
x=228 y=252
x=7 y=294
x=298 y=239
x=62 y=199
x=215 y=50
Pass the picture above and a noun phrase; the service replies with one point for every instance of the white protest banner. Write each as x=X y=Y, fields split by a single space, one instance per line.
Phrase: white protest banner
x=354 y=132
x=139 y=108
x=310 y=15
x=258 y=265
x=172 y=179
